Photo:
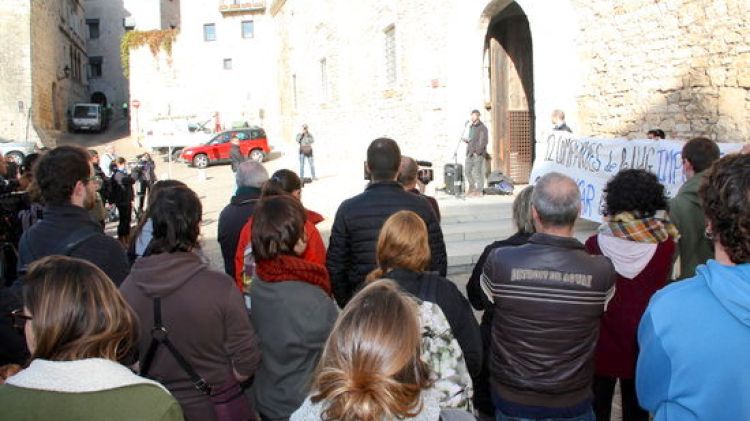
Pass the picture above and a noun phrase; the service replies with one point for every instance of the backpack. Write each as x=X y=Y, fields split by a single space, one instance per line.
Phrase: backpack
x=442 y=353
x=66 y=247
x=499 y=184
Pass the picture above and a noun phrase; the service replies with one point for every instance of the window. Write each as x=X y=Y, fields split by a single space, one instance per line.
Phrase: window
x=227 y=64
x=93 y=28
x=95 y=67
x=209 y=32
x=390 y=55
x=324 y=78
x=248 y=29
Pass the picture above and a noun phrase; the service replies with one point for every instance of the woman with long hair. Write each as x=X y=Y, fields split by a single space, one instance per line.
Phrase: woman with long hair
x=639 y=239
x=172 y=289
x=78 y=327
x=403 y=255
x=292 y=309
x=282 y=183
x=144 y=230
x=371 y=368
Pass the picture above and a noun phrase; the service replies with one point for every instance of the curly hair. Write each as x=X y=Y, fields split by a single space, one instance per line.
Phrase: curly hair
x=725 y=193
x=634 y=191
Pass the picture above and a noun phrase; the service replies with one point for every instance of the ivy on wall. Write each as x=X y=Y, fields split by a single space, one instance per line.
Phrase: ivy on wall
x=157 y=40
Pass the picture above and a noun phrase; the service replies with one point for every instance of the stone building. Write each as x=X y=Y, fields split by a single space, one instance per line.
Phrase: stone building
x=42 y=66
x=219 y=63
x=107 y=22
x=414 y=70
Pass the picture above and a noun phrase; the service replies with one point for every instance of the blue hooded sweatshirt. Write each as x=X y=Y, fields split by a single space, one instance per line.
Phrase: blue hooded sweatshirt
x=694 y=361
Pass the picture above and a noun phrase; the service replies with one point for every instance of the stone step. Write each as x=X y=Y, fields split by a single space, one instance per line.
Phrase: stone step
x=463 y=255
x=477 y=230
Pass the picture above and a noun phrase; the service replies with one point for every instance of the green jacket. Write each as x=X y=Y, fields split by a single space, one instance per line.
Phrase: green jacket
x=82 y=390
x=686 y=212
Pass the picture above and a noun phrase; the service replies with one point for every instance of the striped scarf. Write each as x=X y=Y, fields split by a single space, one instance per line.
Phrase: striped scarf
x=632 y=226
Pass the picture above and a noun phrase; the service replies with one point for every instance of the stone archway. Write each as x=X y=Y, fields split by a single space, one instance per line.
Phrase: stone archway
x=99 y=98
x=509 y=46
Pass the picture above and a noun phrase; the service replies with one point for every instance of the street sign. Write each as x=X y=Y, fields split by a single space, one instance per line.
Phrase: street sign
x=135 y=103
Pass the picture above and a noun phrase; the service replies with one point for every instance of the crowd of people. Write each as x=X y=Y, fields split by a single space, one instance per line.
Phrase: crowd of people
x=369 y=328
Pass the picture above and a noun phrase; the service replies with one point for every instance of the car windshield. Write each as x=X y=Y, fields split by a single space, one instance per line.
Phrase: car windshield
x=85 y=111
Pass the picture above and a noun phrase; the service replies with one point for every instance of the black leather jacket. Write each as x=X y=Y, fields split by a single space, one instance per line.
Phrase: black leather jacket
x=549 y=295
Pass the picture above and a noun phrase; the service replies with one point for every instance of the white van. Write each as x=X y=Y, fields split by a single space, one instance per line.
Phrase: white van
x=89 y=117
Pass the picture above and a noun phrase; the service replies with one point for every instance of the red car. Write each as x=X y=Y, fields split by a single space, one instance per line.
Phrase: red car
x=253 y=144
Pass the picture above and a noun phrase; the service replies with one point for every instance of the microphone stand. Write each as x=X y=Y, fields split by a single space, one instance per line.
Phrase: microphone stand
x=455 y=165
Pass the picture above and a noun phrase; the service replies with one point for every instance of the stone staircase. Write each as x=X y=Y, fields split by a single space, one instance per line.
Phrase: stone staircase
x=469 y=225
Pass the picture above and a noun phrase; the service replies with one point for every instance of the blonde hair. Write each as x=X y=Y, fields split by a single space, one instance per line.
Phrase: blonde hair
x=77 y=312
x=371 y=368
x=402 y=244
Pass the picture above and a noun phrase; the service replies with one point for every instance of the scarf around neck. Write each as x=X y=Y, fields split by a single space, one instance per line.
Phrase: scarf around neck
x=632 y=226
x=293 y=268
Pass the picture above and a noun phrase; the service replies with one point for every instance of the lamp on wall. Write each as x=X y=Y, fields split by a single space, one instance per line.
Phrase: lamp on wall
x=66 y=73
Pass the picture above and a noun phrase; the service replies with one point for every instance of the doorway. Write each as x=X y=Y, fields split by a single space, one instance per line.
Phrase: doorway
x=99 y=98
x=512 y=92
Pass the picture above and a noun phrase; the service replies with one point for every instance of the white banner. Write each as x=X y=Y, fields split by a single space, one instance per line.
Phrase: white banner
x=592 y=162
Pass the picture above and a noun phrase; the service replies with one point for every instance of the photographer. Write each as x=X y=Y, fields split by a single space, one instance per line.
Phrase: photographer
x=144 y=174
x=409 y=177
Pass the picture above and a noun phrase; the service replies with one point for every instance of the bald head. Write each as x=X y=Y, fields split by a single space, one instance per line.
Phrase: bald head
x=557 y=200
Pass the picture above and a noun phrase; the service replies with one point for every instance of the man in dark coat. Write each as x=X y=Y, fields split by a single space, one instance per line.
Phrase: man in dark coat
x=235 y=154
x=354 y=235
x=65 y=178
x=250 y=177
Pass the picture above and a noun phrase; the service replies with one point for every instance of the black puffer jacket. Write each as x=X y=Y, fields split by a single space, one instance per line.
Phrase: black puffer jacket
x=549 y=296
x=455 y=307
x=354 y=235
x=232 y=218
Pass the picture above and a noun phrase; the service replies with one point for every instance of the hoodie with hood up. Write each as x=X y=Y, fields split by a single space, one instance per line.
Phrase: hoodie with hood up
x=207 y=323
x=694 y=339
x=686 y=212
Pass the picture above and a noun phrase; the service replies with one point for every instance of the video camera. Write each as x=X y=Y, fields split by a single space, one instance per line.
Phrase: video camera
x=425 y=174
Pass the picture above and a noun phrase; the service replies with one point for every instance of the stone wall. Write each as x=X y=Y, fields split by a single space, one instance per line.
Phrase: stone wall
x=618 y=68
x=56 y=28
x=15 y=68
x=679 y=65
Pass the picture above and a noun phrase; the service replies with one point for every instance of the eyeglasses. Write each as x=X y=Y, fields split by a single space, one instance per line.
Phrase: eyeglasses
x=18 y=319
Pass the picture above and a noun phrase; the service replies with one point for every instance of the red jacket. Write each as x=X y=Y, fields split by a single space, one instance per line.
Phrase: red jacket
x=617 y=348
x=315 y=251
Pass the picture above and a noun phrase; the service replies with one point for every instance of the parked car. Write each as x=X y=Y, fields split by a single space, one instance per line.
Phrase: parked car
x=88 y=117
x=16 y=150
x=253 y=144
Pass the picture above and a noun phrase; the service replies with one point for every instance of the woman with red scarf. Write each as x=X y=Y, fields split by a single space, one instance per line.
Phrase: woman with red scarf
x=292 y=308
x=282 y=182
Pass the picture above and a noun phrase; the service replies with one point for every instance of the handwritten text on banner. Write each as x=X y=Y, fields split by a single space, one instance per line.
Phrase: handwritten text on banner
x=592 y=162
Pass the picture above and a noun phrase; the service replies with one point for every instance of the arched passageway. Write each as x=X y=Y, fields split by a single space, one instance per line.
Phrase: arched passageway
x=509 y=46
